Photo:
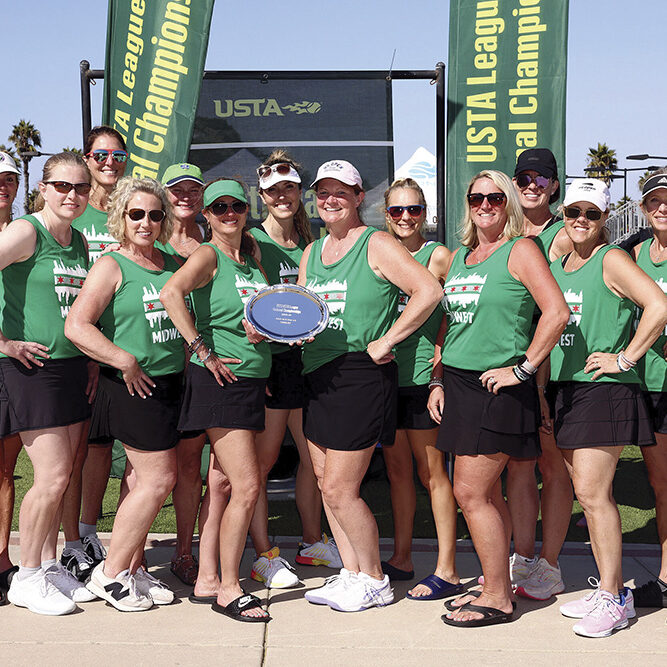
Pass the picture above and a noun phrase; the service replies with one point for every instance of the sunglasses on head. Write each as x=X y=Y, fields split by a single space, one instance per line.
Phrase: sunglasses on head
x=155 y=215
x=574 y=212
x=63 y=187
x=101 y=154
x=524 y=180
x=414 y=211
x=221 y=207
x=264 y=171
x=494 y=198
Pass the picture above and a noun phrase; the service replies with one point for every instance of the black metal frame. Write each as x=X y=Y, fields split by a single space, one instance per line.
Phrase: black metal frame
x=436 y=77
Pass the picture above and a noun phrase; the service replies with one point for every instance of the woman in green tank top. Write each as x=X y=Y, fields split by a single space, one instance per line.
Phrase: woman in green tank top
x=139 y=392
x=351 y=378
x=651 y=257
x=593 y=364
x=44 y=261
x=416 y=432
x=228 y=402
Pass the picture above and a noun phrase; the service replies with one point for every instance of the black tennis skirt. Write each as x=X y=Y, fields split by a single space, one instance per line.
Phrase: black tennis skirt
x=656 y=401
x=42 y=396
x=476 y=421
x=601 y=414
x=147 y=423
x=236 y=405
x=351 y=403
x=412 y=411
x=286 y=382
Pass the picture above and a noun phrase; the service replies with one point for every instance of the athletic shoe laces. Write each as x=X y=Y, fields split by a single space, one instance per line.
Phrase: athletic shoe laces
x=92 y=541
x=606 y=605
x=81 y=557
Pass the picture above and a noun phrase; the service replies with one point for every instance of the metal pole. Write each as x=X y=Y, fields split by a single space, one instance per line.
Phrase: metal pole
x=440 y=148
x=625 y=184
x=86 y=122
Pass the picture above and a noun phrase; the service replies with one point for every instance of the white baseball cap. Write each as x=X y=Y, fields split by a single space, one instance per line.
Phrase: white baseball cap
x=341 y=170
x=7 y=164
x=591 y=190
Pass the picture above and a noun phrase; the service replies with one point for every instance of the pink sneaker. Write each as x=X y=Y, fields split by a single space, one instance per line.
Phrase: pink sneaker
x=579 y=608
x=607 y=616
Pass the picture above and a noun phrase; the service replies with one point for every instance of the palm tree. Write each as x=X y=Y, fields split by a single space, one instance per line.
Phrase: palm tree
x=604 y=158
x=32 y=200
x=69 y=149
x=640 y=183
x=26 y=139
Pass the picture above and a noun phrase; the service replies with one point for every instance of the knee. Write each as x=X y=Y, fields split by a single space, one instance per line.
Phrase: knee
x=246 y=491
x=189 y=469
x=218 y=485
x=332 y=494
x=591 y=497
x=163 y=484
x=467 y=496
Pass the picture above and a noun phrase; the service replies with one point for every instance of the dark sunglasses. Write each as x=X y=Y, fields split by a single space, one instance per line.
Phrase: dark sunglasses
x=101 y=154
x=156 y=215
x=396 y=212
x=524 y=180
x=63 y=187
x=494 y=198
x=574 y=212
x=220 y=207
x=282 y=169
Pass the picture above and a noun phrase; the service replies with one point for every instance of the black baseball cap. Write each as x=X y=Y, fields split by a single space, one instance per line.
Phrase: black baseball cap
x=542 y=161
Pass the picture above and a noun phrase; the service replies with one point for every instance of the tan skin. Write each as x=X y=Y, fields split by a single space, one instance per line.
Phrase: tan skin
x=477 y=478
x=340 y=473
x=420 y=443
x=592 y=469
x=51 y=451
x=234 y=448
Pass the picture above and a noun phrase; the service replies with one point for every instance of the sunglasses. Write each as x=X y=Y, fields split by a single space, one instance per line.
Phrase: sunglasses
x=574 y=212
x=156 y=215
x=63 y=187
x=396 y=212
x=220 y=207
x=101 y=154
x=494 y=198
x=524 y=180
x=282 y=169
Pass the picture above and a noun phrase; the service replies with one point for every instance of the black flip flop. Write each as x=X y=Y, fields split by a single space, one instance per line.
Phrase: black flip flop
x=235 y=607
x=490 y=616
x=395 y=573
x=202 y=599
x=449 y=606
x=5 y=582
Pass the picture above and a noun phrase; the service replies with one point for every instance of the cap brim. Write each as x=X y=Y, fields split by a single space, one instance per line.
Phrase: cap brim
x=277 y=178
x=180 y=179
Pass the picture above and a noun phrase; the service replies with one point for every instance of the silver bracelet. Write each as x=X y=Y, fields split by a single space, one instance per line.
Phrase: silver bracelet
x=626 y=361
x=207 y=357
x=436 y=382
x=622 y=363
x=521 y=374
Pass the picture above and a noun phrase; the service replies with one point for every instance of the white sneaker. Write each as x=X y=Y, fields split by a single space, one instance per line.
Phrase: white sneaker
x=120 y=592
x=151 y=587
x=39 y=595
x=68 y=584
x=323 y=594
x=274 y=571
x=520 y=569
x=362 y=593
x=323 y=552
x=542 y=582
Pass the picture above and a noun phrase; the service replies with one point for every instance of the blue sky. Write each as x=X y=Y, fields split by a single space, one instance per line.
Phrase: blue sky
x=615 y=78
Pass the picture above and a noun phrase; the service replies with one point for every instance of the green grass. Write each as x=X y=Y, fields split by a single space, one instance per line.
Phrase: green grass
x=631 y=489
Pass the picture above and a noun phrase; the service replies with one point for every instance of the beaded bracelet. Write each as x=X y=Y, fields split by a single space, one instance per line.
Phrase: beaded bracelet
x=197 y=339
x=521 y=374
x=436 y=382
x=207 y=357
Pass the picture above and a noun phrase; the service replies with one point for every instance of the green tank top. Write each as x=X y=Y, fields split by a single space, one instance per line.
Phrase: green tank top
x=546 y=237
x=137 y=322
x=281 y=265
x=362 y=306
x=93 y=225
x=653 y=367
x=413 y=355
x=218 y=308
x=599 y=321
x=489 y=313
x=40 y=290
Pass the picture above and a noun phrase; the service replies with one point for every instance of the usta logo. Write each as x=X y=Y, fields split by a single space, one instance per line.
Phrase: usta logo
x=262 y=107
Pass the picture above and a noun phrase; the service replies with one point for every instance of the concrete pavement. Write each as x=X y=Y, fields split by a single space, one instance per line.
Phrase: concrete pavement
x=404 y=633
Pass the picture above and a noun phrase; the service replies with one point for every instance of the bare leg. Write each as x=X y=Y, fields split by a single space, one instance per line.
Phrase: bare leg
x=592 y=472
x=94 y=481
x=398 y=461
x=656 y=464
x=72 y=499
x=9 y=451
x=308 y=496
x=524 y=503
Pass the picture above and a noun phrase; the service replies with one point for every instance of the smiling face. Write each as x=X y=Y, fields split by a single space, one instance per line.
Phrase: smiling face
x=337 y=203
x=228 y=225
x=655 y=208
x=489 y=218
x=406 y=226
x=107 y=173
x=9 y=185
x=186 y=200
x=70 y=205
x=580 y=229
x=533 y=197
x=282 y=200
x=144 y=232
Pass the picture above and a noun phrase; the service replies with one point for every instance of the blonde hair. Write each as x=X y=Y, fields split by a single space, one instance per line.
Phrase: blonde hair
x=301 y=221
x=64 y=159
x=404 y=184
x=125 y=189
x=514 y=223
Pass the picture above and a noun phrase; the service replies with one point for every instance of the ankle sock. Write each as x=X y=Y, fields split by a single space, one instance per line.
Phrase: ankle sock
x=527 y=561
x=74 y=544
x=25 y=572
x=86 y=529
x=46 y=564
